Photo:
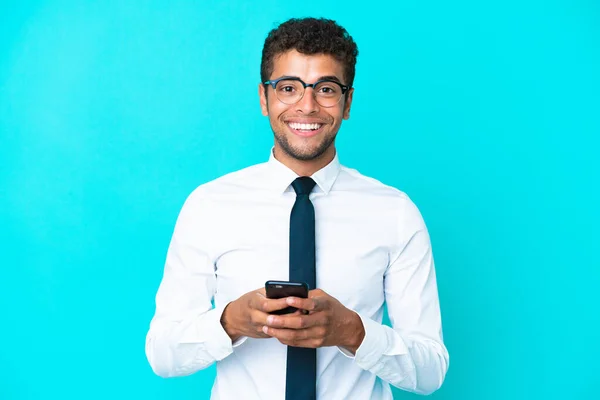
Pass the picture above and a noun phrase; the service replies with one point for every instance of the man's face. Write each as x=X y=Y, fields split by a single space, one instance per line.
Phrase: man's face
x=304 y=144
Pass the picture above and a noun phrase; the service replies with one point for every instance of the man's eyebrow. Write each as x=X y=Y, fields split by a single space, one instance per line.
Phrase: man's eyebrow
x=286 y=77
x=325 y=77
x=330 y=77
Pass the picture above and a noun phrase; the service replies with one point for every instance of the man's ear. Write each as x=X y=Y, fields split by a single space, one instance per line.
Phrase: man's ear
x=348 y=103
x=262 y=95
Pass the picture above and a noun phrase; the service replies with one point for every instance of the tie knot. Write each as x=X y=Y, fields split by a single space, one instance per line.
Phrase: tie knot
x=303 y=185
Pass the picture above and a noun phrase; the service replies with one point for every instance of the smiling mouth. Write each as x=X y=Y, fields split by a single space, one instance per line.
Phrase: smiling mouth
x=305 y=130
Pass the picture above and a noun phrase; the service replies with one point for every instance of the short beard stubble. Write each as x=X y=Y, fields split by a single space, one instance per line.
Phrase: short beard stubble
x=297 y=153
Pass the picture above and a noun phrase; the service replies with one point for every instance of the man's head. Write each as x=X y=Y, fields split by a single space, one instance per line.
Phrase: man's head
x=305 y=120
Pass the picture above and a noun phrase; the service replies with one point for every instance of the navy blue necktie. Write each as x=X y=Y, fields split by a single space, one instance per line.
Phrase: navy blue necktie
x=301 y=373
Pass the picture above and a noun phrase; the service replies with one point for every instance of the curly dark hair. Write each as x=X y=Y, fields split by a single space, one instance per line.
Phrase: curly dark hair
x=310 y=36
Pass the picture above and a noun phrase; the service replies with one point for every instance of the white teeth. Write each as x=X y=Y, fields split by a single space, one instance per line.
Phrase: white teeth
x=304 y=127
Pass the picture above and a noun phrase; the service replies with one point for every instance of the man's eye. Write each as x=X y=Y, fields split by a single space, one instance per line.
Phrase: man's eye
x=287 y=89
x=327 y=90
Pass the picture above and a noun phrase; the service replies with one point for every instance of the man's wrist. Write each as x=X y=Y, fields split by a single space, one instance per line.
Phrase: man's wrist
x=356 y=332
x=228 y=326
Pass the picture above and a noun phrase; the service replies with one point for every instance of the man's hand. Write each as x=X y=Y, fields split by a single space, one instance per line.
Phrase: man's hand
x=328 y=323
x=247 y=315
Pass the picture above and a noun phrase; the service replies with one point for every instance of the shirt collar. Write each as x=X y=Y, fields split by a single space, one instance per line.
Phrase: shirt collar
x=283 y=176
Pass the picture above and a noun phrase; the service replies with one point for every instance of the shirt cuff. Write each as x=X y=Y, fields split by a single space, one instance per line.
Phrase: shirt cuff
x=239 y=341
x=208 y=330
x=376 y=343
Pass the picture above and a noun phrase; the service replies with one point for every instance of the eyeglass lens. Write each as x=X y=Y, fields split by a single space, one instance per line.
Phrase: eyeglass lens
x=327 y=94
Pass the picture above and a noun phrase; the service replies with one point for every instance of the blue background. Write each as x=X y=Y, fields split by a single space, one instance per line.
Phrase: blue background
x=485 y=113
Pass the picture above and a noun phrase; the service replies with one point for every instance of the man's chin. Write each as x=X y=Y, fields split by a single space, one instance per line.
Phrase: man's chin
x=304 y=154
x=304 y=149
x=308 y=156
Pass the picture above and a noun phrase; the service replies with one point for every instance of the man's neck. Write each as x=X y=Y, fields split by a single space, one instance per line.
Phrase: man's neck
x=301 y=167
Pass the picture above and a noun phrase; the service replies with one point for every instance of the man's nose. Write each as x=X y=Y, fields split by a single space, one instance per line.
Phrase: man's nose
x=307 y=103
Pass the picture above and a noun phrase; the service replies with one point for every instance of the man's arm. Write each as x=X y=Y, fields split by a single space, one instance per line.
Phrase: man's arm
x=186 y=334
x=411 y=355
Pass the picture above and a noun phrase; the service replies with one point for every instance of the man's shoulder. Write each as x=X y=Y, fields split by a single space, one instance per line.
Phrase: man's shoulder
x=232 y=182
x=352 y=179
x=379 y=195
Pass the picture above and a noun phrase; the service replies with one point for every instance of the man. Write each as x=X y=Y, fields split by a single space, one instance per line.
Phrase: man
x=301 y=213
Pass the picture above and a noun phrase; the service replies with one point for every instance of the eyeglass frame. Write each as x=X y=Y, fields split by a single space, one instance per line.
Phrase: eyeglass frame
x=273 y=84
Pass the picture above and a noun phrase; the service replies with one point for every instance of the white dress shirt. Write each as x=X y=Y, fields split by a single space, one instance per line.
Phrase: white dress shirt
x=372 y=246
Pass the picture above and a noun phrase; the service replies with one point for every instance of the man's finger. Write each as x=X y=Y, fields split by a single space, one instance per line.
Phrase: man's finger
x=297 y=338
x=288 y=335
x=316 y=293
x=293 y=321
x=310 y=304
x=269 y=305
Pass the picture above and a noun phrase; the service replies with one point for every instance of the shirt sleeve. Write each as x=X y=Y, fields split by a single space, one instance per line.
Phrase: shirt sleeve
x=411 y=354
x=185 y=333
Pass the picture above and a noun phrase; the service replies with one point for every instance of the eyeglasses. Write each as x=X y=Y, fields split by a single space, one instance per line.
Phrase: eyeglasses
x=290 y=90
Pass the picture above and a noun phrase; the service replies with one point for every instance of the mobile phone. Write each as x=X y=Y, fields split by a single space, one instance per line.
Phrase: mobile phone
x=280 y=289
